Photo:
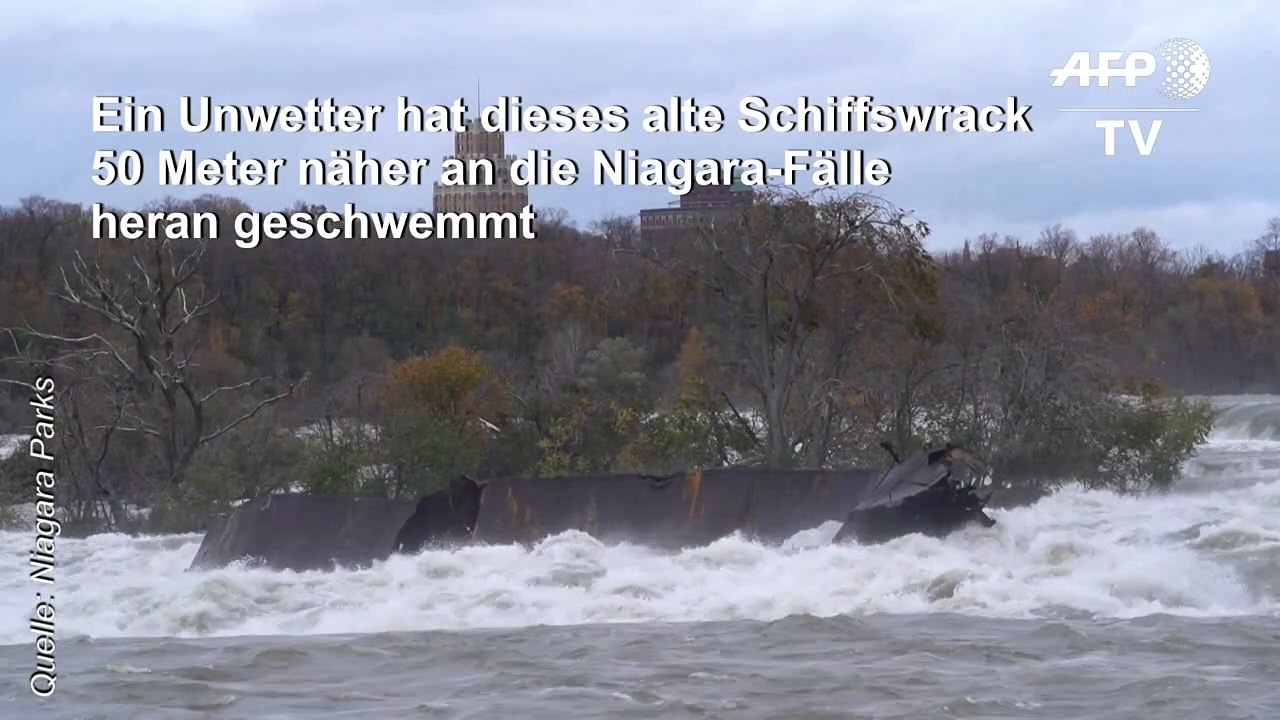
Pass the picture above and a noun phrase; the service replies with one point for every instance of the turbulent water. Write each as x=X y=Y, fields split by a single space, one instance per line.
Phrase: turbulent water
x=1085 y=605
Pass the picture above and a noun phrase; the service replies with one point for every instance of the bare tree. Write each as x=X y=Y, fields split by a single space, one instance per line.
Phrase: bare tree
x=620 y=231
x=1266 y=242
x=794 y=277
x=148 y=304
x=1059 y=243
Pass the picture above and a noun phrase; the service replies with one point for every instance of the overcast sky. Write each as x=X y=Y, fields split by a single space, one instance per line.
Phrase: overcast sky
x=1212 y=180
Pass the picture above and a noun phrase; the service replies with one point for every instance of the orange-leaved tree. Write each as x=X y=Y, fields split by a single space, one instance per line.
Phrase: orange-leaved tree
x=438 y=419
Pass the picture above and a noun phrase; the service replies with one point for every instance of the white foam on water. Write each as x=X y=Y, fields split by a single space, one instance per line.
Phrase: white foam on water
x=10 y=444
x=1247 y=417
x=1212 y=549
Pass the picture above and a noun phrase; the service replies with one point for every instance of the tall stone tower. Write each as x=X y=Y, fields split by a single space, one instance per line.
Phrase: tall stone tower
x=502 y=196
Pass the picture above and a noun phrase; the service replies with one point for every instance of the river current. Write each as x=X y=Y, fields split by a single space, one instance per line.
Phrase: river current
x=1084 y=605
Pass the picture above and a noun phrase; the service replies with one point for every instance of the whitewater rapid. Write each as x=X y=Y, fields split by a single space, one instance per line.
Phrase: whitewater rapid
x=1210 y=548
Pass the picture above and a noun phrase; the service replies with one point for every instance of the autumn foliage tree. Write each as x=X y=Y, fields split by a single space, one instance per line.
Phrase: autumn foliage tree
x=802 y=330
x=795 y=282
x=438 y=418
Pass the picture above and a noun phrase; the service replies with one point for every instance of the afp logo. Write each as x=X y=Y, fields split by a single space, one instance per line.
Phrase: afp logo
x=1183 y=63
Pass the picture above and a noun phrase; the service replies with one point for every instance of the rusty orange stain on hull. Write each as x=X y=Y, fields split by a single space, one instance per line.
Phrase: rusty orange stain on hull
x=513 y=507
x=592 y=523
x=692 y=489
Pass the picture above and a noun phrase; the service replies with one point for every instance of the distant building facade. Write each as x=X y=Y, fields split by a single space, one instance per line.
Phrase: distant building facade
x=695 y=207
x=1271 y=262
x=502 y=196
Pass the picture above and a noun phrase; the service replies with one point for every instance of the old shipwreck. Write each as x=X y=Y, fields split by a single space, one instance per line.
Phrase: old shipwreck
x=310 y=532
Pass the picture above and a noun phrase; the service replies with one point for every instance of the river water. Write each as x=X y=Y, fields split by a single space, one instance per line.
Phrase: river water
x=1085 y=605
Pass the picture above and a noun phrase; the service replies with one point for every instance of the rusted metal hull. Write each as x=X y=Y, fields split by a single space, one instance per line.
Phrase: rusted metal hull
x=300 y=532
x=304 y=532
x=937 y=513
x=683 y=510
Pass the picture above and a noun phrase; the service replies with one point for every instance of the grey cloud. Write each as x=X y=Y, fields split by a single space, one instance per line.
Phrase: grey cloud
x=1211 y=168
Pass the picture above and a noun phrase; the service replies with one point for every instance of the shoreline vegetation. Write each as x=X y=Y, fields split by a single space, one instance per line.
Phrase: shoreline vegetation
x=798 y=332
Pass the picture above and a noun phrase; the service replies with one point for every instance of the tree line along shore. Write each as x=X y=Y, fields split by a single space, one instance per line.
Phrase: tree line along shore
x=801 y=331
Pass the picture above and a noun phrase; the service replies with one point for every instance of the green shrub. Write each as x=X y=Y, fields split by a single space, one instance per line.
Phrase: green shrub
x=254 y=459
x=1151 y=439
